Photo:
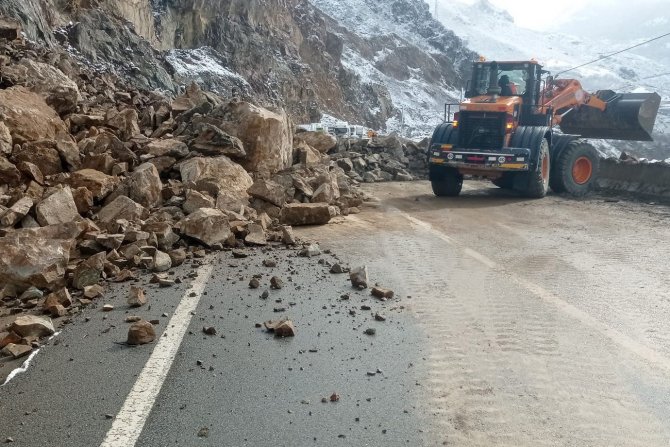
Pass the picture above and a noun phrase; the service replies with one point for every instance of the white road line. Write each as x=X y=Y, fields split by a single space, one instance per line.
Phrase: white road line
x=617 y=337
x=130 y=421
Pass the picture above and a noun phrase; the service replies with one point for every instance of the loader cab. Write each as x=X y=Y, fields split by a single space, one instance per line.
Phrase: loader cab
x=525 y=82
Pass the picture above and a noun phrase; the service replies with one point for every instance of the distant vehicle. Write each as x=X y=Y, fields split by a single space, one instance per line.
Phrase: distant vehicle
x=357 y=132
x=340 y=130
x=504 y=131
x=314 y=127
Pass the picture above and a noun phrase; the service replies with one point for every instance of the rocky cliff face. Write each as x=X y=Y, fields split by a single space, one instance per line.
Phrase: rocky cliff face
x=285 y=53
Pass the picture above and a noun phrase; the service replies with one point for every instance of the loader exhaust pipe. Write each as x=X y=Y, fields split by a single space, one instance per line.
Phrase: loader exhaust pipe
x=629 y=116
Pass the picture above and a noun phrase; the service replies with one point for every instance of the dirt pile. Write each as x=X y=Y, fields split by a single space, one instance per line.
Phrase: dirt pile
x=382 y=159
x=98 y=180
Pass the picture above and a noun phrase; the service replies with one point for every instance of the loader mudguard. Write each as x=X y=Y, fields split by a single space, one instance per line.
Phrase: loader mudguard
x=531 y=137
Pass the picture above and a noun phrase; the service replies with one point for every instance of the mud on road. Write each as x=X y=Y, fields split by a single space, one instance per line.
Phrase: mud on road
x=546 y=319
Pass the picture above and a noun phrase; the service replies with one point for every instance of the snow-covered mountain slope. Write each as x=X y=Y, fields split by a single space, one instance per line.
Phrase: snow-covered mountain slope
x=399 y=46
x=492 y=32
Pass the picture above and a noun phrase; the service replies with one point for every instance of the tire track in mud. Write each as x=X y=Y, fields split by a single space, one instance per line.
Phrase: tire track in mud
x=504 y=367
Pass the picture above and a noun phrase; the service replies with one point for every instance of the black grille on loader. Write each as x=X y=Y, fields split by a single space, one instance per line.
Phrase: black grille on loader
x=481 y=130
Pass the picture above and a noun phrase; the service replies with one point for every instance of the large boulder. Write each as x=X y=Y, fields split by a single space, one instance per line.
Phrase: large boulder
x=125 y=123
x=33 y=326
x=306 y=155
x=88 y=272
x=144 y=186
x=43 y=153
x=267 y=136
x=269 y=191
x=58 y=208
x=16 y=212
x=122 y=208
x=169 y=147
x=60 y=92
x=192 y=97
x=321 y=141
x=209 y=226
x=28 y=117
x=305 y=214
x=214 y=141
x=216 y=176
x=195 y=200
x=34 y=260
x=99 y=183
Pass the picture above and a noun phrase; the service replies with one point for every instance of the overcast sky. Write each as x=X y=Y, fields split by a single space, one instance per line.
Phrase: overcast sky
x=550 y=14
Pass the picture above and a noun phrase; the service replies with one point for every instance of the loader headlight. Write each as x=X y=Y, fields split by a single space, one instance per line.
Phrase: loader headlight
x=450 y=155
x=501 y=159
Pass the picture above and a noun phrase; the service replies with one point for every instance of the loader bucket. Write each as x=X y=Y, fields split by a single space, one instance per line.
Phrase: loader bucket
x=629 y=116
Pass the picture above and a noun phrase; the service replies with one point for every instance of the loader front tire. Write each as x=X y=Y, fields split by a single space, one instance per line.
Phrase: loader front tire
x=448 y=184
x=576 y=169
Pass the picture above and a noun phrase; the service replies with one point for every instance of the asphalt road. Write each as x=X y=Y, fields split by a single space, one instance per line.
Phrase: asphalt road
x=515 y=323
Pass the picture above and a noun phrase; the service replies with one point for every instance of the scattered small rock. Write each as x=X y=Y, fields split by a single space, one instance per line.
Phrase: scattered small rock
x=93 y=291
x=136 y=297
x=276 y=282
x=382 y=293
x=254 y=283
x=310 y=251
x=359 y=277
x=337 y=269
x=370 y=331
x=210 y=330
x=107 y=308
x=269 y=263
x=203 y=432
x=285 y=329
x=141 y=333
x=334 y=397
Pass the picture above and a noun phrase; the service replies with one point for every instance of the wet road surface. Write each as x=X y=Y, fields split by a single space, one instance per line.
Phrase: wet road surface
x=515 y=323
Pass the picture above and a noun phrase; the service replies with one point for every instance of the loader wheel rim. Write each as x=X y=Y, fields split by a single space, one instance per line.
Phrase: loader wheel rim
x=545 y=168
x=582 y=170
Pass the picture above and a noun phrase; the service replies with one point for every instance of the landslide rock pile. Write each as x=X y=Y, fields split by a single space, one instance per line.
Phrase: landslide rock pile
x=382 y=159
x=98 y=179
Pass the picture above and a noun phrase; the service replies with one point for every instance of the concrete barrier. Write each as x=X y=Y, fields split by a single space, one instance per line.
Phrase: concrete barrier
x=635 y=177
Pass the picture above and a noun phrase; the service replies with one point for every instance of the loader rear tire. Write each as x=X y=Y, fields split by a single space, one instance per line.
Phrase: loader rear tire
x=576 y=169
x=538 y=181
x=448 y=184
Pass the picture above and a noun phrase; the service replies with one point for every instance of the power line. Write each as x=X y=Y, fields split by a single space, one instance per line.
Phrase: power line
x=614 y=54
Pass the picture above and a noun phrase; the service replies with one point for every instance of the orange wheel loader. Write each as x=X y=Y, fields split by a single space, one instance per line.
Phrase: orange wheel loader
x=504 y=131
